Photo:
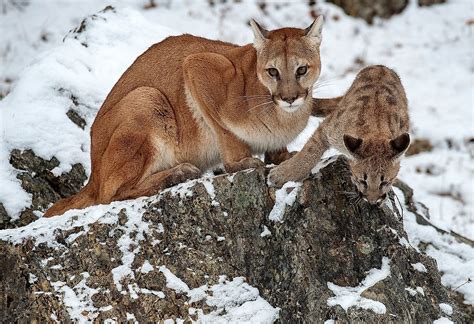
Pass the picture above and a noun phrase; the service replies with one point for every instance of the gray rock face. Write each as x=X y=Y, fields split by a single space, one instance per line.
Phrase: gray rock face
x=38 y=180
x=369 y=9
x=325 y=252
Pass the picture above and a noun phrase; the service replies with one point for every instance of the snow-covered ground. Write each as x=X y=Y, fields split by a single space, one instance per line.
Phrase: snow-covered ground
x=431 y=49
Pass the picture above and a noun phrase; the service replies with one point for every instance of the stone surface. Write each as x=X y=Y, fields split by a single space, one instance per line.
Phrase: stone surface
x=369 y=9
x=213 y=228
x=37 y=178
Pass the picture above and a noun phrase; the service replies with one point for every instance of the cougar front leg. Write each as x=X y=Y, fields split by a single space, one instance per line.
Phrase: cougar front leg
x=206 y=77
x=236 y=155
x=278 y=156
x=299 y=166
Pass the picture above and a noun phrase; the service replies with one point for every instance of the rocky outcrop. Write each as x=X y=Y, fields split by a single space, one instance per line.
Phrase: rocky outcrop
x=37 y=178
x=368 y=10
x=309 y=249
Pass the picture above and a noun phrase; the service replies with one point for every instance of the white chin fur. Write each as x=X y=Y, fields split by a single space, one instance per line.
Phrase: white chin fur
x=285 y=106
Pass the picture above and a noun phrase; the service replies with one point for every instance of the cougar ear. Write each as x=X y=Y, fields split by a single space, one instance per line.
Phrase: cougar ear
x=352 y=143
x=400 y=144
x=314 y=31
x=260 y=34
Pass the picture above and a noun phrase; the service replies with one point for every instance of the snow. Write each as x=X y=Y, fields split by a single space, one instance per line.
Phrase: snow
x=146 y=267
x=446 y=308
x=347 y=297
x=419 y=267
x=237 y=302
x=265 y=232
x=173 y=282
x=233 y=301
x=78 y=300
x=285 y=196
x=455 y=260
x=411 y=291
x=443 y=320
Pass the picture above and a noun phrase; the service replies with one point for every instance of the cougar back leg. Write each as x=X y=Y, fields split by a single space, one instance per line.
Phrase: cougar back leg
x=141 y=144
x=160 y=180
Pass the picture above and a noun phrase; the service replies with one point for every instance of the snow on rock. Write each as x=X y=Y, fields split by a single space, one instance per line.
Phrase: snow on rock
x=348 y=297
x=285 y=196
x=443 y=320
x=129 y=246
x=146 y=267
x=265 y=232
x=455 y=260
x=237 y=302
x=419 y=267
x=446 y=308
x=174 y=282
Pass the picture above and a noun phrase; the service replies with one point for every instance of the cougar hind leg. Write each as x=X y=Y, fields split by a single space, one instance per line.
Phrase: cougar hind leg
x=139 y=158
x=152 y=184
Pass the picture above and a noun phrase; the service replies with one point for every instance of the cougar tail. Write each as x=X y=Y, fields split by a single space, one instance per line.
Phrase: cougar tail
x=324 y=107
x=84 y=198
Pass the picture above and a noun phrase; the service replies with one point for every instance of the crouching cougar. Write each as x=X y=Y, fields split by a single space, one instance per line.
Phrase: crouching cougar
x=370 y=125
x=189 y=103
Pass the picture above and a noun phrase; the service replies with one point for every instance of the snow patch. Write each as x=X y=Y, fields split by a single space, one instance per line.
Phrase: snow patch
x=146 y=267
x=443 y=320
x=419 y=267
x=265 y=232
x=348 y=297
x=446 y=308
x=174 y=282
x=284 y=196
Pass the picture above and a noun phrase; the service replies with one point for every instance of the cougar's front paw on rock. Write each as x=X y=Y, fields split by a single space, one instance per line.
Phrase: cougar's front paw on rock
x=283 y=173
x=246 y=163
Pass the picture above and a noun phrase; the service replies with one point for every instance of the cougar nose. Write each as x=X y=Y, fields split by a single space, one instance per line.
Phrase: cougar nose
x=289 y=100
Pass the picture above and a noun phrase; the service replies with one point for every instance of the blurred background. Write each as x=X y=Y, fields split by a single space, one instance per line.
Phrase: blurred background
x=59 y=59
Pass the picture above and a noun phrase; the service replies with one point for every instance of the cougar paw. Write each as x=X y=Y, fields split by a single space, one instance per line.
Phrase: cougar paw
x=246 y=163
x=186 y=171
x=283 y=173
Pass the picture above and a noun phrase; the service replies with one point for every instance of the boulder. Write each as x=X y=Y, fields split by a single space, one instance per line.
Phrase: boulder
x=226 y=248
x=37 y=177
x=368 y=10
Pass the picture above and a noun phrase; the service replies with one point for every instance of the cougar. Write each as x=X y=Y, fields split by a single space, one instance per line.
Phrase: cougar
x=370 y=125
x=189 y=103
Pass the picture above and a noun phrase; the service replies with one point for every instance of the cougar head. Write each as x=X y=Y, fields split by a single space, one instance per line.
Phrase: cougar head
x=375 y=165
x=288 y=62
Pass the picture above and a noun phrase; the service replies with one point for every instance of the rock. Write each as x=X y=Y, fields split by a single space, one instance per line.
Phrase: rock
x=367 y=10
x=37 y=178
x=425 y=3
x=164 y=257
x=418 y=146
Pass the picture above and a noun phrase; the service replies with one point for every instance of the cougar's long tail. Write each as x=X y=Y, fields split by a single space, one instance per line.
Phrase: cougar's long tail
x=84 y=198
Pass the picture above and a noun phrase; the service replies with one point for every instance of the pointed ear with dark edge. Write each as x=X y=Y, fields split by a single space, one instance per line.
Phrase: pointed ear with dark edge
x=314 y=31
x=400 y=144
x=260 y=34
x=352 y=143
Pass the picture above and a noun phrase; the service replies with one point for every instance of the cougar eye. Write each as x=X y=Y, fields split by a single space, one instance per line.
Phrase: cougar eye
x=301 y=70
x=273 y=72
x=383 y=184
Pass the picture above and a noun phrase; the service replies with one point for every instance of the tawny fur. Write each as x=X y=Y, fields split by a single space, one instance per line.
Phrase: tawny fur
x=370 y=125
x=189 y=103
